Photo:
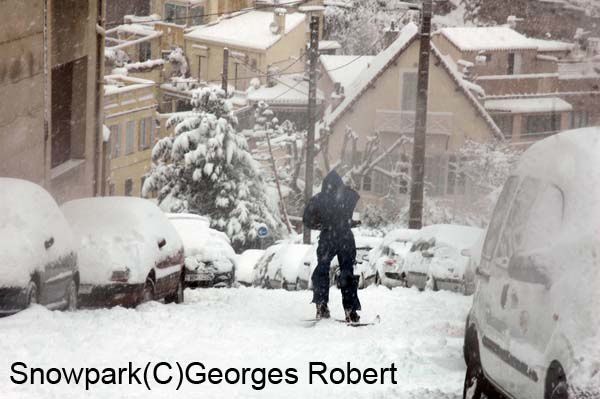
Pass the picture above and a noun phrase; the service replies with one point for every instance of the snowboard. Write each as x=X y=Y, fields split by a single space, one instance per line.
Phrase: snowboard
x=313 y=322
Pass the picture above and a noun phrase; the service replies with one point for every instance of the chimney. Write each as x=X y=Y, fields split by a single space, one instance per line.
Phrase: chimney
x=278 y=24
x=390 y=35
x=512 y=21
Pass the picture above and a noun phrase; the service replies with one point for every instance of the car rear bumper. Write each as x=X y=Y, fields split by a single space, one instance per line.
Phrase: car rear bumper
x=110 y=295
x=12 y=300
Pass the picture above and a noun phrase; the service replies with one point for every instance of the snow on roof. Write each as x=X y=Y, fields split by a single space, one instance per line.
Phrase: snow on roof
x=117 y=84
x=325 y=45
x=289 y=91
x=552 y=45
x=382 y=61
x=378 y=65
x=487 y=38
x=344 y=69
x=250 y=29
x=529 y=105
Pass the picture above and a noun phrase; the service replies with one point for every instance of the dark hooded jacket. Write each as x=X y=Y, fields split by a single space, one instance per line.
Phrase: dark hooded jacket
x=332 y=208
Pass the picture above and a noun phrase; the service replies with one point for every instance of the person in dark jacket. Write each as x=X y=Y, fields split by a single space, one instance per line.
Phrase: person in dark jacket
x=331 y=212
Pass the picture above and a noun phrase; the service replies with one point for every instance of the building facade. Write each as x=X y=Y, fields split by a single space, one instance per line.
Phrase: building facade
x=130 y=112
x=49 y=79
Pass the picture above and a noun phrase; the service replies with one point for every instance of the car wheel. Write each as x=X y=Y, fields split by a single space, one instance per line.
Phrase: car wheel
x=177 y=296
x=361 y=281
x=298 y=284
x=556 y=383
x=148 y=290
x=267 y=283
x=71 y=296
x=474 y=386
x=32 y=294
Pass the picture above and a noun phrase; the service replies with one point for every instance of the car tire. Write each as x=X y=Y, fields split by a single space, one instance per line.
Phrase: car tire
x=297 y=284
x=32 y=294
x=71 y=296
x=267 y=283
x=148 y=294
x=556 y=383
x=177 y=296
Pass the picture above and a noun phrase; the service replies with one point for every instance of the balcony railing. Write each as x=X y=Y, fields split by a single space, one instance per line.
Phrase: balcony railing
x=403 y=122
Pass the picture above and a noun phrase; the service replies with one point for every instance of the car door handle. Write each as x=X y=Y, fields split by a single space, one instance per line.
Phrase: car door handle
x=482 y=273
x=49 y=243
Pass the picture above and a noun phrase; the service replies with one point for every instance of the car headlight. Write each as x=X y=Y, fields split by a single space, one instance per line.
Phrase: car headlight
x=120 y=276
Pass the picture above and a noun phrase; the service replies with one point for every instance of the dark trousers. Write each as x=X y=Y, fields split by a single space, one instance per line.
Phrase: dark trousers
x=340 y=244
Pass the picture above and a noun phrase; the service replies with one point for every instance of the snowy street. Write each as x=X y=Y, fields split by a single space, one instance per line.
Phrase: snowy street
x=420 y=332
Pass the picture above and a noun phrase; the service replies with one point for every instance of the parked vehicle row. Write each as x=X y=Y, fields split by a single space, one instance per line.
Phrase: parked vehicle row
x=104 y=251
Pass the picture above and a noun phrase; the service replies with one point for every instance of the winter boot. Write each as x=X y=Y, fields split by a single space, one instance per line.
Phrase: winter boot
x=322 y=311
x=352 y=316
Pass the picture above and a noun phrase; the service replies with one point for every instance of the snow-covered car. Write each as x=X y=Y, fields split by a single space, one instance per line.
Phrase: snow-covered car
x=280 y=268
x=260 y=277
x=38 y=261
x=438 y=259
x=364 y=245
x=534 y=328
x=210 y=261
x=128 y=252
x=246 y=266
x=386 y=261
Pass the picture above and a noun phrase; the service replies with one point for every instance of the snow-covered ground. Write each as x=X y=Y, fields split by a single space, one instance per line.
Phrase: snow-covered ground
x=421 y=332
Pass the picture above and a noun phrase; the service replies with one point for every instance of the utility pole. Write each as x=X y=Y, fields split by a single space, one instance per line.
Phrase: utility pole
x=415 y=213
x=313 y=57
x=225 y=73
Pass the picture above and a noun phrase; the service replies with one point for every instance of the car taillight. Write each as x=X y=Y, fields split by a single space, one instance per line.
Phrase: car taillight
x=120 y=276
x=390 y=262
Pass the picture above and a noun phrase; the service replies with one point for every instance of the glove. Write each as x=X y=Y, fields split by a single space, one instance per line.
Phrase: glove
x=355 y=223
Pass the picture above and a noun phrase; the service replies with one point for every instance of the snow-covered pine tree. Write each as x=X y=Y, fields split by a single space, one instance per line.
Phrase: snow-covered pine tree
x=206 y=168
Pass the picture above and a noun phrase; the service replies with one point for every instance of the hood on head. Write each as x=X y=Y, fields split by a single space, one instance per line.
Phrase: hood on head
x=332 y=182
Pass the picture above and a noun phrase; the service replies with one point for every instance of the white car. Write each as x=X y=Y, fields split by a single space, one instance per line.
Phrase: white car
x=438 y=258
x=128 y=251
x=280 y=266
x=534 y=327
x=246 y=265
x=38 y=260
x=210 y=261
x=386 y=261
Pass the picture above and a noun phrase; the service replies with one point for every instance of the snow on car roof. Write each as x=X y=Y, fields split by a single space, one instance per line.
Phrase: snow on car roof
x=249 y=30
x=115 y=233
x=245 y=264
x=461 y=237
x=29 y=216
x=367 y=242
x=289 y=258
x=400 y=235
x=201 y=241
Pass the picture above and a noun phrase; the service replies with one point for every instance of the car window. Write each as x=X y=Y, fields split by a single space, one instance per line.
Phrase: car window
x=498 y=217
x=515 y=228
x=544 y=220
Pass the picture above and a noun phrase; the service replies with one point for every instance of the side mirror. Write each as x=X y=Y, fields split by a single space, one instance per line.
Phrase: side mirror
x=528 y=269
x=161 y=243
x=49 y=243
